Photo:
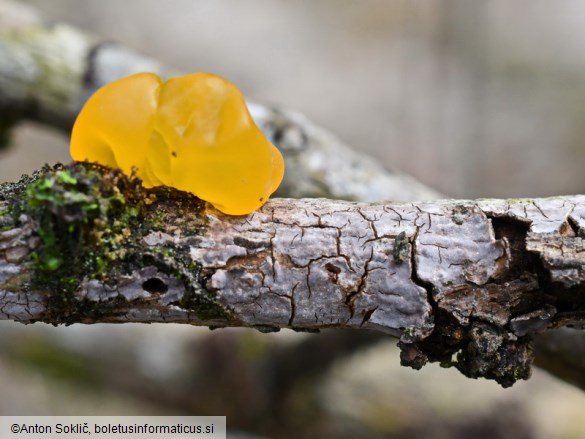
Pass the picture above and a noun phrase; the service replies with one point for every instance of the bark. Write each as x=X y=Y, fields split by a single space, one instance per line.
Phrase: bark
x=473 y=278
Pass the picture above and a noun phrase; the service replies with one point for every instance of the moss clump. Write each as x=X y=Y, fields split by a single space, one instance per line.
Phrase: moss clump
x=92 y=222
x=84 y=216
x=402 y=248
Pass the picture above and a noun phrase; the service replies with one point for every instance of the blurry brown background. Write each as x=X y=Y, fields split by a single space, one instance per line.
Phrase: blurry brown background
x=481 y=98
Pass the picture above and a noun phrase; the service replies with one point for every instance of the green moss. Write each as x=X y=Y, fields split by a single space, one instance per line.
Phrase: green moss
x=84 y=215
x=91 y=222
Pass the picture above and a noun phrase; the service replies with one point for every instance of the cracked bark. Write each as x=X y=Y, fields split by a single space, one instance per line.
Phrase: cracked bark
x=462 y=282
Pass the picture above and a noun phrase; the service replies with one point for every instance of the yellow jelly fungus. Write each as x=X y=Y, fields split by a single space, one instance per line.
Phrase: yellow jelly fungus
x=193 y=132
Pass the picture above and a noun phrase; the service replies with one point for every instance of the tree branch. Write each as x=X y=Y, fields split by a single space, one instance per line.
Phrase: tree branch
x=477 y=278
x=46 y=72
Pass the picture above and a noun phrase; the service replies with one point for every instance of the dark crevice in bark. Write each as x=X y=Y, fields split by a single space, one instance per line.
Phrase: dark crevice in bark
x=413 y=351
x=523 y=265
x=574 y=226
x=566 y=302
x=414 y=273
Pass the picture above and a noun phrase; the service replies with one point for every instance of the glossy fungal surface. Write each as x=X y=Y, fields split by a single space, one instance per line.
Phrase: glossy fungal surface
x=192 y=132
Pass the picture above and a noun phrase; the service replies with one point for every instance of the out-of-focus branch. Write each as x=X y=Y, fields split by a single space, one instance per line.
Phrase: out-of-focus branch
x=551 y=350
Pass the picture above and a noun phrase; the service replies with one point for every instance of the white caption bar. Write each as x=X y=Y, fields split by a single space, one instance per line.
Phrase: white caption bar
x=120 y=427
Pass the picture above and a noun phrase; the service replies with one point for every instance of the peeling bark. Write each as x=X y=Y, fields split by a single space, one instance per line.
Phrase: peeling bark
x=473 y=279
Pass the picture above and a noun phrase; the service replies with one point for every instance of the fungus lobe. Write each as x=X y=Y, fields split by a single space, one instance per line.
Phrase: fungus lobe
x=192 y=132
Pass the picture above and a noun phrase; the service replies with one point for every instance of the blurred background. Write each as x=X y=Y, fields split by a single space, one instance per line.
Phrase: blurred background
x=480 y=98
